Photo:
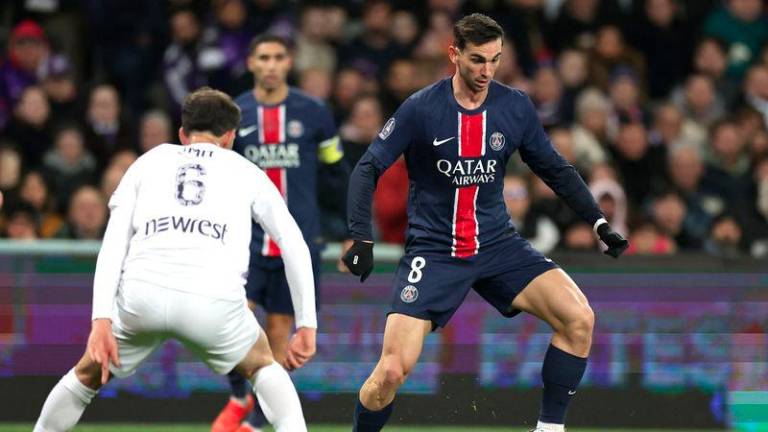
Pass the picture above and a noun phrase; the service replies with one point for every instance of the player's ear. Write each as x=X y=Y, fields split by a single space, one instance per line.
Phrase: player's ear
x=228 y=140
x=453 y=53
x=250 y=63
x=183 y=136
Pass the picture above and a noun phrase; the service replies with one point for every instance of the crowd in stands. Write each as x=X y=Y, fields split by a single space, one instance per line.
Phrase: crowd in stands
x=661 y=105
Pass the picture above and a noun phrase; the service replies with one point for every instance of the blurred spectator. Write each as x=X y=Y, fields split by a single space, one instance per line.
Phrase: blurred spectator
x=405 y=29
x=27 y=49
x=400 y=82
x=30 y=128
x=87 y=215
x=58 y=82
x=577 y=23
x=545 y=202
x=590 y=133
x=547 y=96
x=563 y=141
x=313 y=51
x=626 y=98
x=22 y=221
x=183 y=68
x=537 y=229
x=669 y=212
x=710 y=58
x=671 y=129
x=154 y=129
x=698 y=100
x=573 y=71
x=756 y=90
x=525 y=25
x=758 y=145
x=10 y=167
x=686 y=169
x=664 y=38
x=35 y=190
x=364 y=122
x=349 y=85
x=123 y=159
x=68 y=164
x=226 y=42
x=374 y=49
x=638 y=162
x=579 y=237
x=756 y=220
x=725 y=238
x=727 y=173
x=613 y=202
x=509 y=71
x=316 y=82
x=743 y=27
x=390 y=203
x=110 y=180
x=610 y=54
x=108 y=129
x=646 y=239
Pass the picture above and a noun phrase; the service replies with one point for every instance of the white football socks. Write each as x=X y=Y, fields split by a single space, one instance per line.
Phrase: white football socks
x=64 y=405
x=278 y=399
x=553 y=427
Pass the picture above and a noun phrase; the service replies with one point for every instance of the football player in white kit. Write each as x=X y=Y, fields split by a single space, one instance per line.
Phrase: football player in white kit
x=173 y=264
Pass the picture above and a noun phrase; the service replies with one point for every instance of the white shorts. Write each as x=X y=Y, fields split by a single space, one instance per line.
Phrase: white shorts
x=219 y=332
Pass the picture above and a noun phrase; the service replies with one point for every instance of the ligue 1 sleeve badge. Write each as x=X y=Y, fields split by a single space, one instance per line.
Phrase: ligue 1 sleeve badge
x=497 y=141
x=409 y=294
x=387 y=129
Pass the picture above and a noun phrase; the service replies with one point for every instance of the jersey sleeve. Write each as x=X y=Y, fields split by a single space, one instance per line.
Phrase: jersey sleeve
x=398 y=133
x=539 y=154
x=114 y=246
x=268 y=209
x=329 y=149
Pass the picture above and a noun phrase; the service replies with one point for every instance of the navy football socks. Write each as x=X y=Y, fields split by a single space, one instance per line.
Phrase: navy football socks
x=561 y=374
x=257 y=418
x=238 y=385
x=370 y=421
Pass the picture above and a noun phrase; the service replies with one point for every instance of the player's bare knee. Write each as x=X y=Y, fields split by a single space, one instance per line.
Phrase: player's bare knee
x=579 y=330
x=395 y=373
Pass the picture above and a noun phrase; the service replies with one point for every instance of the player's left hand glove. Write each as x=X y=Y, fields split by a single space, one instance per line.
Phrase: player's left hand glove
x=615 y=242
x=359 y=259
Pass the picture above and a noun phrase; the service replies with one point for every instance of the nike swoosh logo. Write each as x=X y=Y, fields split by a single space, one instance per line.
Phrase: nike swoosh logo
x=243 y=132
x=436 y=143
x=571 y=392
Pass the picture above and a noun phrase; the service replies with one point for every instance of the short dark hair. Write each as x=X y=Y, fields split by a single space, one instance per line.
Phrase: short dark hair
x=476 y=29
x=265 y=38
x=209 y=110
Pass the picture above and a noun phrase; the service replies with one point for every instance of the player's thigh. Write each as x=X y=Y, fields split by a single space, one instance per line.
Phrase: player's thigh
x=431 y=287
x=403 y=341
x=221 y=332
x=257 y=357
x=138 y=325
x=554 y=297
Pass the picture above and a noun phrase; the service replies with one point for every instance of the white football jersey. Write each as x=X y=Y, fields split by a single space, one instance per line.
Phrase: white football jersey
x=181 y=219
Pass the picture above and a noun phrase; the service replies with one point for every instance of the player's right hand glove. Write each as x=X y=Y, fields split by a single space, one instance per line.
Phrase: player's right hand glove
x=615 y=242
x=359 y=259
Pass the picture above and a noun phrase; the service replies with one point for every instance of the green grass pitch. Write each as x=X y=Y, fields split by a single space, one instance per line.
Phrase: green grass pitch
x=117 y=427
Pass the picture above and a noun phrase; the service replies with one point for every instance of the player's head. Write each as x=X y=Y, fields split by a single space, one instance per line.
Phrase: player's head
x=209 y=111
x=476 y=50
x=269 y=60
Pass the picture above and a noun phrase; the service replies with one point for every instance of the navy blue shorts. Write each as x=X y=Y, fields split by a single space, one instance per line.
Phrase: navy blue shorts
x=432 y=287
x=267 y=286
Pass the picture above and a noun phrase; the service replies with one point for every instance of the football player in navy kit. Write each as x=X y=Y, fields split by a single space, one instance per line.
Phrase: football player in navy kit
x=288 y=134
x=457 y=136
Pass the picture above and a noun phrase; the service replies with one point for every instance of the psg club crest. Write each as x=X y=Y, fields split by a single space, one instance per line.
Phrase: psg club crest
x=497 y=141
x=295 y=129
x=387 y=129
x=409 y=294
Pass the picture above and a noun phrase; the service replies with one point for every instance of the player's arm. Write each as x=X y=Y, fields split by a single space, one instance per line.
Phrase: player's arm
x=269 y=210
x=395 y=137
x=539 y=154
x=102 y=346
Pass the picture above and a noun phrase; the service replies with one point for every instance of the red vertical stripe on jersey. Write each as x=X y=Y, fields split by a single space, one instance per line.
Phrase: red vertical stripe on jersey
x=272 y=130
x=465 y=227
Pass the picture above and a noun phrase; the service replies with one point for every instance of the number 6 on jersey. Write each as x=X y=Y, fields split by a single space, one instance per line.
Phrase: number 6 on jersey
x=417 y=265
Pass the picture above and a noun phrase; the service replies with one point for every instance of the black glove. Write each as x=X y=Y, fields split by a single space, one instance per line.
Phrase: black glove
x=359 y=259
x=615 y=242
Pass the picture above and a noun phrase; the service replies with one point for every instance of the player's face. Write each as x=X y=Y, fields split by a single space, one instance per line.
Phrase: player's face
x=270 y=64
x=477 y=64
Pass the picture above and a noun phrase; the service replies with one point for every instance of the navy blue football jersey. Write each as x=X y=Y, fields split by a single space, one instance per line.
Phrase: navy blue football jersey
x=288 y=141
x=456 y=161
